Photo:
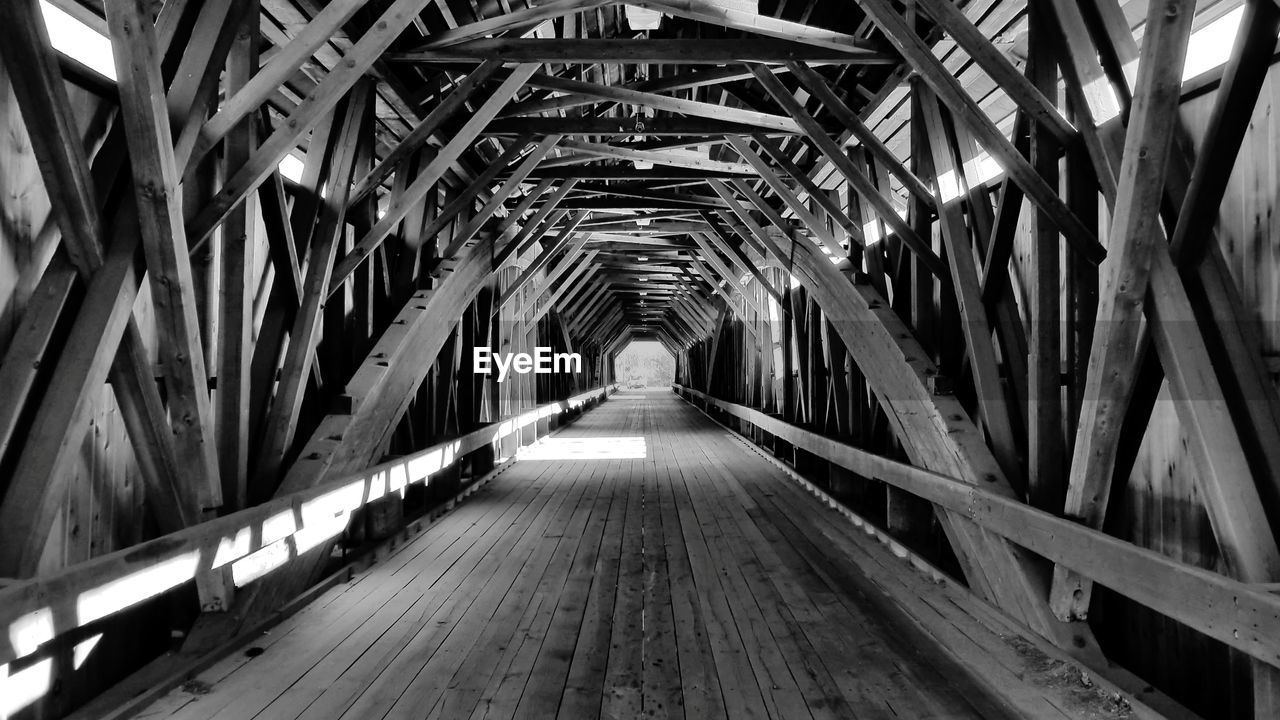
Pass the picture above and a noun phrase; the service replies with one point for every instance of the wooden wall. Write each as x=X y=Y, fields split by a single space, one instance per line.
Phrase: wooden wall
x=1160 y=508
x=103 y=509
x=27 y=232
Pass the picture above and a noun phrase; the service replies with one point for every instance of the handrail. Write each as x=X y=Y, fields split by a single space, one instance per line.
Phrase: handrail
x=254 y=541
x=1241 y=615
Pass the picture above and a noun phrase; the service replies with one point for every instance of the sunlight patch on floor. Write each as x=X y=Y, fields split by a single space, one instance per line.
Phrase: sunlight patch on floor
x=596 y=448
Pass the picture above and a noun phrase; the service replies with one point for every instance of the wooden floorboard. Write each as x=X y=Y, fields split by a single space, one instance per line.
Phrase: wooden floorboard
x=642 y=563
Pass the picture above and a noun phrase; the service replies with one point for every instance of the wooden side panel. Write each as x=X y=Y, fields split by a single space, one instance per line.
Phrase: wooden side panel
x=21 y=214
x=103 y=509
x=28 y=234
x=1249 y=224
x=1160 y=507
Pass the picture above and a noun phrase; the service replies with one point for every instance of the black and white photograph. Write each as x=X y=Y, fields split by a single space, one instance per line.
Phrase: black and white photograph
x=639 y=359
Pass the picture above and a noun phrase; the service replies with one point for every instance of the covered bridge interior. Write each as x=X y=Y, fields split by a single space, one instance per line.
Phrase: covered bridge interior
x=972 y=307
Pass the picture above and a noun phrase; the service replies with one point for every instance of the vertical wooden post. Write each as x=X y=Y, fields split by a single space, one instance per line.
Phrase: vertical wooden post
x=1135 y=236
x=923 y=305
x=286 y=408
x=237 y=288
x=1045 y=478
x=1082 y=286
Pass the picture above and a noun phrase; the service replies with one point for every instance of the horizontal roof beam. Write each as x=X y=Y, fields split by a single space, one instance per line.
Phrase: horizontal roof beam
x=623 y=126
x=628 y=172
x=583 y=51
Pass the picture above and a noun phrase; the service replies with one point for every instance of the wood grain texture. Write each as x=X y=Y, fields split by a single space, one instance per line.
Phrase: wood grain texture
x=687 y=579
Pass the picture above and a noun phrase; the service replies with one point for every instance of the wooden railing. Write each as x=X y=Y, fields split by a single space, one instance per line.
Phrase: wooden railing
x=253 y=541
x=1244 y=616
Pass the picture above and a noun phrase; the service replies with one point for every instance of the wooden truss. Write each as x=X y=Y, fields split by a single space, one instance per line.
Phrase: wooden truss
x=732 y=186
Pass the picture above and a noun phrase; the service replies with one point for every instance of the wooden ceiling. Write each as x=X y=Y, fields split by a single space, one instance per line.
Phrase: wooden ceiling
x=762 y=100
x=677 y=100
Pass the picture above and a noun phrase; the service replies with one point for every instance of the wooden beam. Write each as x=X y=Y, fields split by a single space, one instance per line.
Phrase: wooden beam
x=1245 y=75
x=1180 y=329
x=756 y=201
x=815 y=84
x=1228 y=326
x=1003 y=304
x=467 y=198
x=1046 y=482
x=1225 y=482
x=817 y=194
x=236 y=291
x=194 y=91
x=533 y=232
x=1032 y=100
x=513 y=224
x=727 y=16
x=993 y=407
x=433 y=171
x=600 y=315
x=643 y=192
x=631 y=203
x=873 y=255
x=424 y=130
x=663 y=102
x=1096 y=102
x=544 y=258
x=755 y=234
x=656 y=157
x=1004 y=227
x=620 y=126
x=43 y=471
x=722 y=271
x=880 y=344
x=860 y=182
x=59 y=595
x=718 y=238
x=920 y=56
x=1213 y=604
x=733 y=270
x=164 y=241
x=276 y=73
x=788 y=196
x=679 y=51
x=319 y=102
x=473 y=226
x=691 y=325
x=717 y=331
x=571 y=299
x=569 y=263
x=286 y=405
x=533 y=13
x=33 y=337
x=584 y=306
x=582 y=270
x=695 y=304
x=55 y=135
x=56 y=143
x=1135 y=234
x=669 y=173
x=665 y=84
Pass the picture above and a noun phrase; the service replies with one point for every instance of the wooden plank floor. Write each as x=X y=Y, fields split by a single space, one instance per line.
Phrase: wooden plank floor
x=641 y=563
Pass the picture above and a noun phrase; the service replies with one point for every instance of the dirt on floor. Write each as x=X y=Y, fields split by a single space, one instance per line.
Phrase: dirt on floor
x=1082 y=696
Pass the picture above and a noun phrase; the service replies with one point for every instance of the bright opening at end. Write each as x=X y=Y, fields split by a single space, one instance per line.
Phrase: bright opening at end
x=644 y=364
x=594 y=448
